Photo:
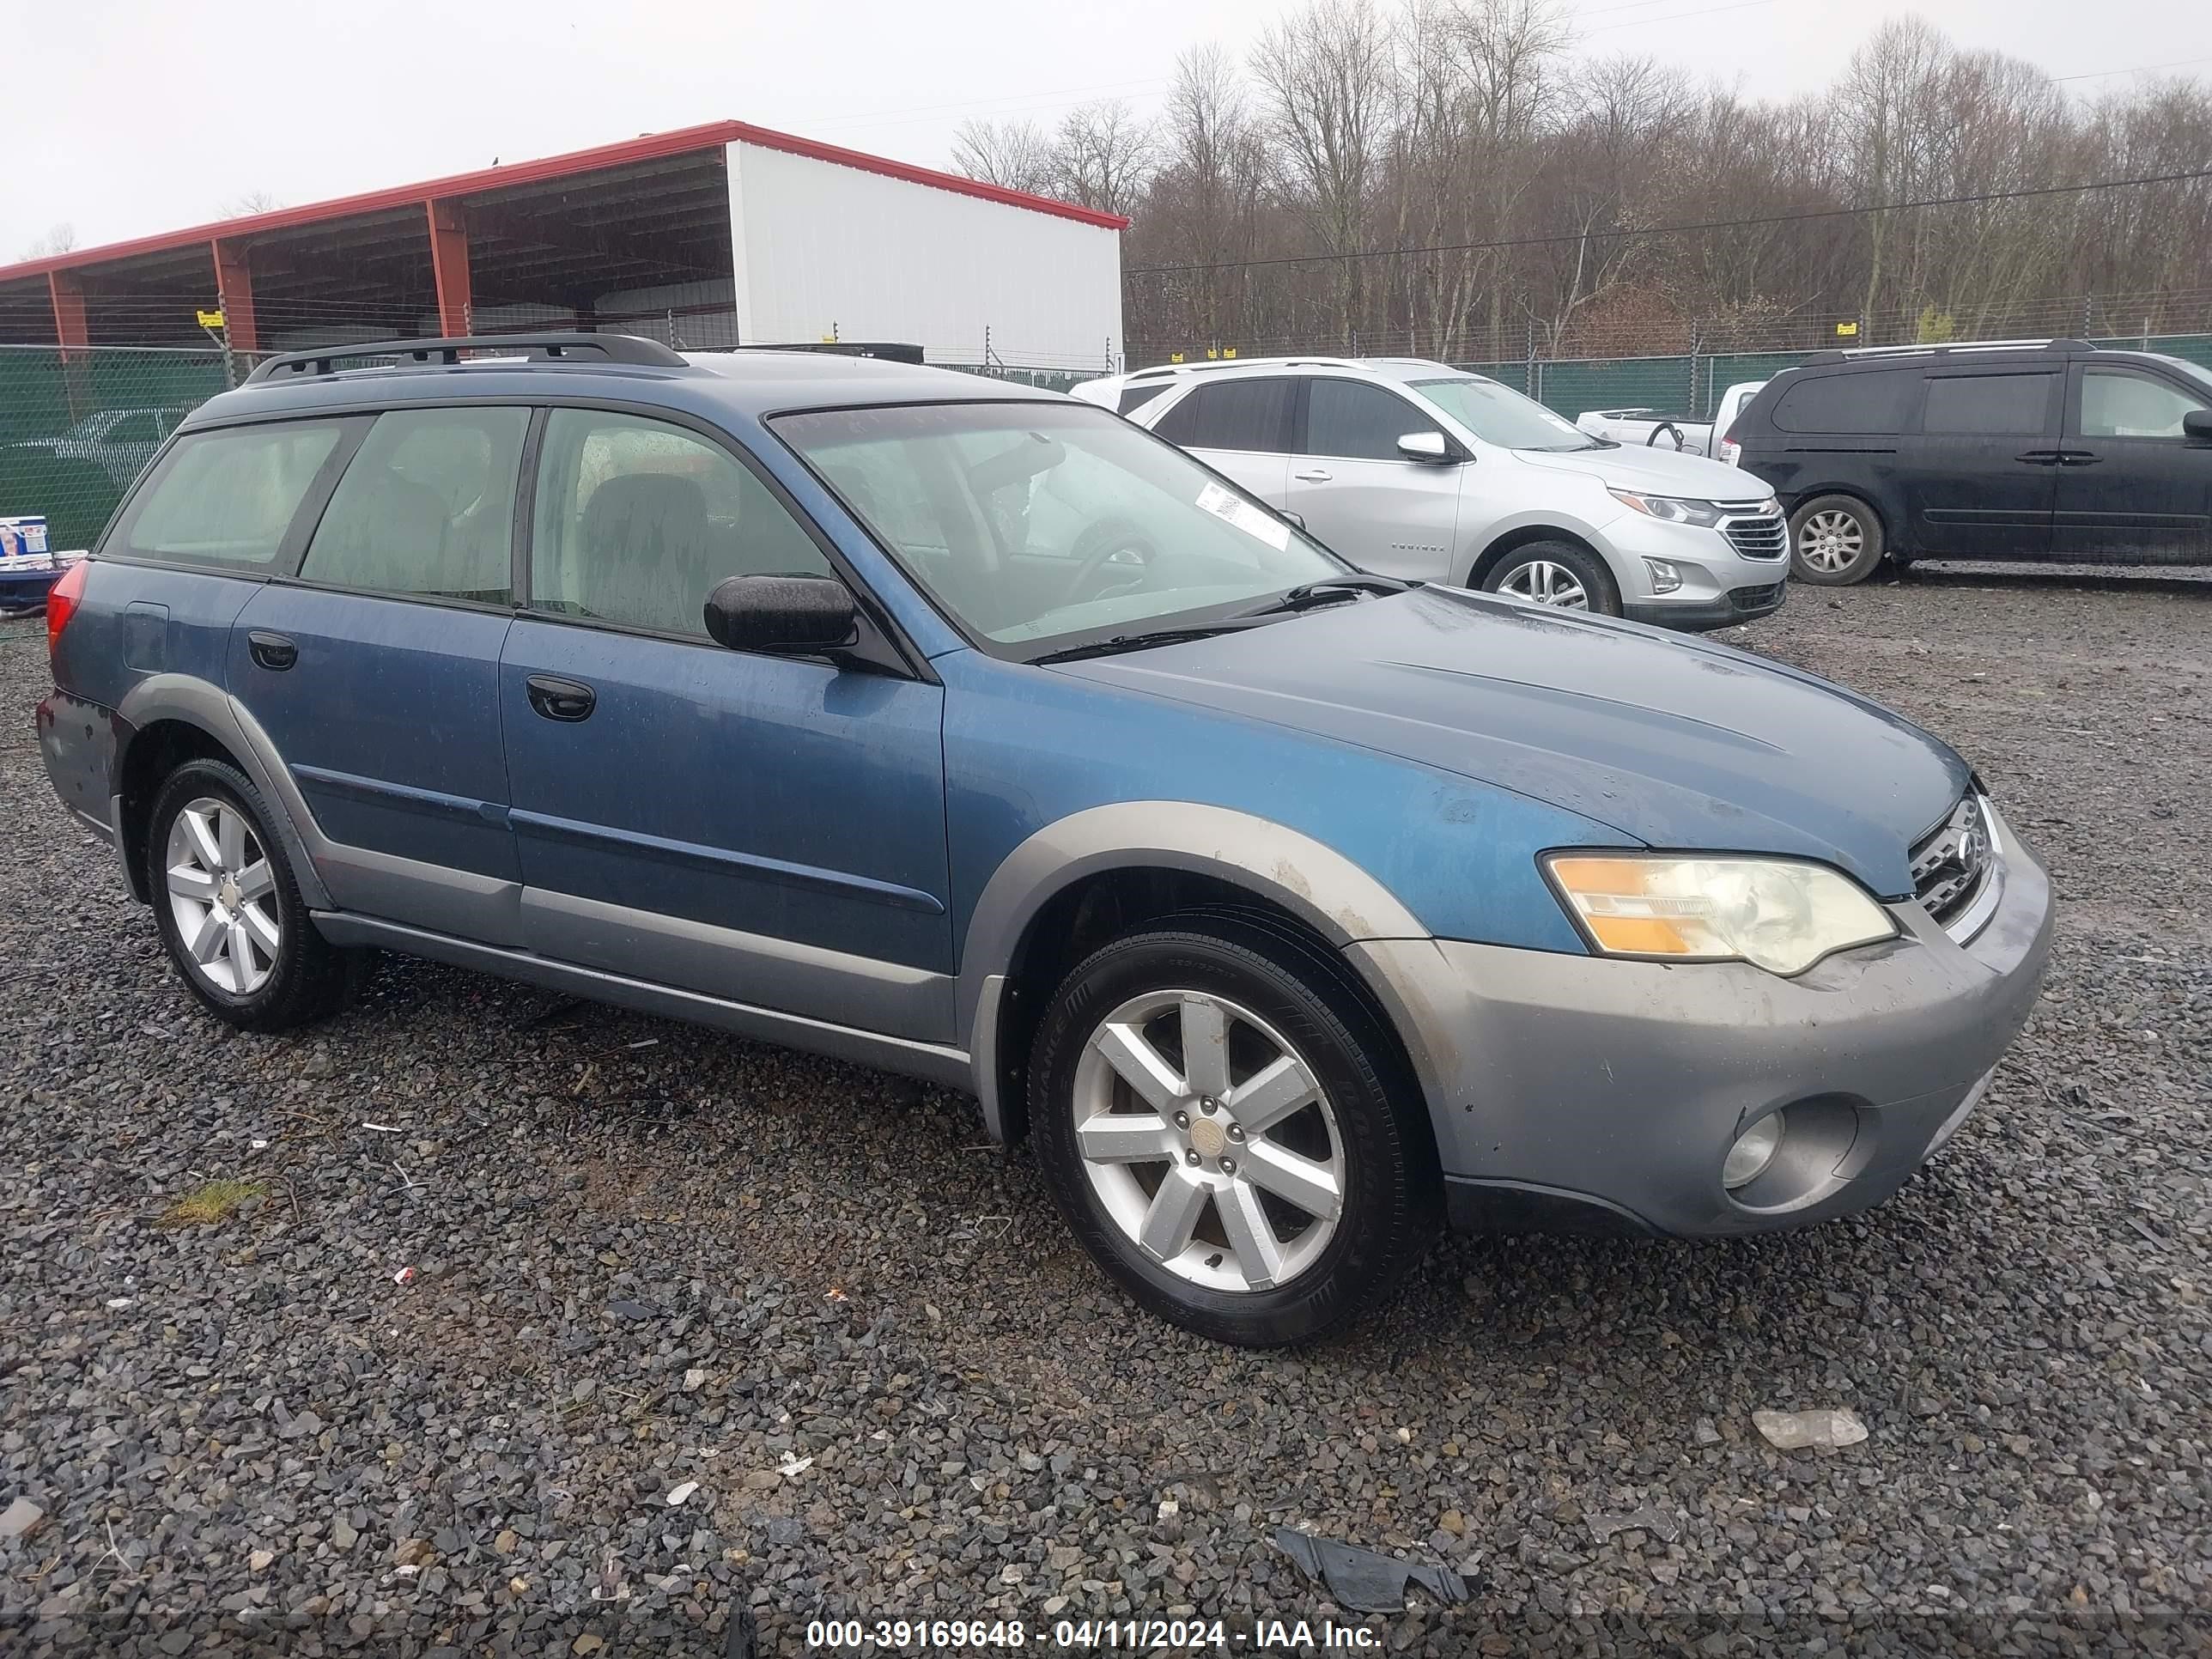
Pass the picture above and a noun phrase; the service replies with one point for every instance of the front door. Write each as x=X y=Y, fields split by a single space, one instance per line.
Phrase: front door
x=375 y=673
x=1979 y=480
x=1360 y=496
x=2133 y=486
x=769 y=830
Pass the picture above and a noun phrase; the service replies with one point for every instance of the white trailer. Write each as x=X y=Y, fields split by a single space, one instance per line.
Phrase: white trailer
x=828 y=243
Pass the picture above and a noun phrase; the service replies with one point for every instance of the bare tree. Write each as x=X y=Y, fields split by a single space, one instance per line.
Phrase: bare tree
x=251 y=202
x=1102 y=157
x=1013 y=154
x=59 y=239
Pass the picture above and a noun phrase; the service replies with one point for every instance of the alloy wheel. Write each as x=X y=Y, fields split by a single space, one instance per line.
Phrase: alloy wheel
x=1830 y=540
x=222 y=895
x=1208 y=1140
x=1546 y=583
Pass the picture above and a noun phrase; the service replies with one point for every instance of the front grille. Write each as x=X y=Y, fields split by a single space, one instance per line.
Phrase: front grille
x=1950 y=865
x=1763 y=537
x=1747 y=599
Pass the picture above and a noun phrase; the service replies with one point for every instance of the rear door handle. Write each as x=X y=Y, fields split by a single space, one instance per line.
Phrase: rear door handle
x=2078 y=457
x=562 y=699
x=2041 y=458
x=273 y=651
x=1315 y=477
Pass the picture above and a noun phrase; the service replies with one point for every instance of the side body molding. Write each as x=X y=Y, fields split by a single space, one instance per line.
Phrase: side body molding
x=1339 y=900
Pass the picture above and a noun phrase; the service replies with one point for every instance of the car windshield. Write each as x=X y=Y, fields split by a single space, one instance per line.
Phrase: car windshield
x=1037 y=524
x=1499 y=414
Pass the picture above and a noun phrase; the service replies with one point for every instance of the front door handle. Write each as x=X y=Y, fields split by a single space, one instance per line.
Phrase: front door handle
x=1317 y=475
x=562 y=699
x=273 y=651
x=2041 y=457
x=2078 y=457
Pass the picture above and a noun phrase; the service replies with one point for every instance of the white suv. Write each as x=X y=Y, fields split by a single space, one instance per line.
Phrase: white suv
x=1421 y=471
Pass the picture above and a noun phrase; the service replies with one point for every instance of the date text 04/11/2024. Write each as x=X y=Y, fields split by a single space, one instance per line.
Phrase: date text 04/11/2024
x=1084 y=1635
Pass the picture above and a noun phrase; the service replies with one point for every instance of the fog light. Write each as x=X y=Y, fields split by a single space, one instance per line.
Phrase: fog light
x=1665 y=578
x=1754 y=1151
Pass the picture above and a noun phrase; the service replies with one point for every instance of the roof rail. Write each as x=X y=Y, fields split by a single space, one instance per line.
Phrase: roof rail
x=1856 y=352
x=555 y=348
x=1164 y=371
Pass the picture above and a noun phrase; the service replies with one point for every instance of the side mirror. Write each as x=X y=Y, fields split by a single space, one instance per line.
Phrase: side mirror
x=2196 y=426
x=1428 y=446
x=782 y=615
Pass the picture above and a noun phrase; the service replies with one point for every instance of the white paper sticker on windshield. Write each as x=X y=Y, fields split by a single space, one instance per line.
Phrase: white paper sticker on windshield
x=1228 y=505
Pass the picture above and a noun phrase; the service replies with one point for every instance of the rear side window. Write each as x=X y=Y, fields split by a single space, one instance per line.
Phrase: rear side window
x=1134 y=398
x=1988 y=405
x=1231 y=414
x=427 y=508
x=637 y=521
x=1871 y=401
x=1353 y=421
x=228 y=497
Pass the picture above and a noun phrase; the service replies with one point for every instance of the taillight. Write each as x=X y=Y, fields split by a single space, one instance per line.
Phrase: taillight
x=1731 y=453
x=61 y=604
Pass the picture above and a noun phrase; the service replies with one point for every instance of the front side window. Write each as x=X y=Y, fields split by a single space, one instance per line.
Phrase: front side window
x=1247 y=415
x=426 y=508
x=2116 y=403
x=228 y=497
x=637 y=521
x=1499 y=415
x=1988 y=405
x=1036 y=523
x=1351 y=420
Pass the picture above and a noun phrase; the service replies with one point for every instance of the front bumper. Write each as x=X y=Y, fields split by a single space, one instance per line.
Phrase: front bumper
x=1589 y=1093
x=1719 y=586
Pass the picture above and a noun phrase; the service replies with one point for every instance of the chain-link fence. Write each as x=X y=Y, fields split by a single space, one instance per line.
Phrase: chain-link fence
x=76 y=427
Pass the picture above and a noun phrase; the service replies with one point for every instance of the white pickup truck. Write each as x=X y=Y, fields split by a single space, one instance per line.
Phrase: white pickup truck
x=1685 y=432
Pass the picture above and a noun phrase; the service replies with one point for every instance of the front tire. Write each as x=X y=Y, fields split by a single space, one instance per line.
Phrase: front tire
x=228 y=908
x=1835 y=541
x=1557 y=573
x=1229 y=1132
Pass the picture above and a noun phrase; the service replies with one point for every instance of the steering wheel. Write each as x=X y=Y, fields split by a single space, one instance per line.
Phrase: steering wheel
x=1671 y=429
x=1097 y=547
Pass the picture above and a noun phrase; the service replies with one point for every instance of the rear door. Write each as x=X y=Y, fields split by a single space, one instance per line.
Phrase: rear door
x=2132 y=487
x=766 y=829
x=376 y=672
x=1980 y=478
x=1362 y=496
x=1242 y=428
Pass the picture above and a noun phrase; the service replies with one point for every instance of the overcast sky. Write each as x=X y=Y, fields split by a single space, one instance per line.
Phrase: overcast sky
x=128 y=117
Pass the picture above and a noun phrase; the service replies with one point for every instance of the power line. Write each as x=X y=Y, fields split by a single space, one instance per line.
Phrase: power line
x=1672 y=230
x=2140 y=68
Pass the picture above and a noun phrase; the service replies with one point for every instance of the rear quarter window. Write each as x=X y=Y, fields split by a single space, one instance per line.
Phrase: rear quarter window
x=1867 y=402
x=227 y=497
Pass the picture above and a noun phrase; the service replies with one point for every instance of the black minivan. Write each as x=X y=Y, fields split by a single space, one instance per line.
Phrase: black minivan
x=2036 y=450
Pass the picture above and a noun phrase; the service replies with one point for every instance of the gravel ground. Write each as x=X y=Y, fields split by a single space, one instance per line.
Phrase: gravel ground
x=650 y=1263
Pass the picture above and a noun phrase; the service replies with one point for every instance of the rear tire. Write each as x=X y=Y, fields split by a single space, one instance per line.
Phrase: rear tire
x=1267 y=1097
x=1835 y=541
x=1558 y=574
x=228 y=907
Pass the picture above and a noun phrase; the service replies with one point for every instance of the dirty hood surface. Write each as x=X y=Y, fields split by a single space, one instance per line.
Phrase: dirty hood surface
x=1674 y=741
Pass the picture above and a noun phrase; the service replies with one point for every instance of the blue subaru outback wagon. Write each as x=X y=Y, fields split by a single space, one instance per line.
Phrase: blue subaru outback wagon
x=974 y=733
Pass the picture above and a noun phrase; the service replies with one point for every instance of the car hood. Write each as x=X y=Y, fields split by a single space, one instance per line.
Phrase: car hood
x=1675 y=742
x=1659 y=471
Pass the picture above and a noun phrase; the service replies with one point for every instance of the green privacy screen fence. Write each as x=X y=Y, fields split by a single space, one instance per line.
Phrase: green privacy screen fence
x=1693 y=385
x=76 y=427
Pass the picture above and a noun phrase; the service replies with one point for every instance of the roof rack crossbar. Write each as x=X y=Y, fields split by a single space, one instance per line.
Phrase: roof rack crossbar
x=554 y=348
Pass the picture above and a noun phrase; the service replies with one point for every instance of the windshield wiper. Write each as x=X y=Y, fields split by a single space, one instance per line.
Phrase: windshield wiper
x=1329 y=588
x=1121 y=643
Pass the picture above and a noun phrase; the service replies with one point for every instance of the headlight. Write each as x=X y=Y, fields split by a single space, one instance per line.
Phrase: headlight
x=1778 y=914
x=1674 y=509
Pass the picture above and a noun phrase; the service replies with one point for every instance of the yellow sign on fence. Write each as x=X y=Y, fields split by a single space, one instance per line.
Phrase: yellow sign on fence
x=210 y=319
x=1847 y=328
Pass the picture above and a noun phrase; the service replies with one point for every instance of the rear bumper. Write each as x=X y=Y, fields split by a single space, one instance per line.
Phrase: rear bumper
x=79 y=742
x=1581 y=1093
